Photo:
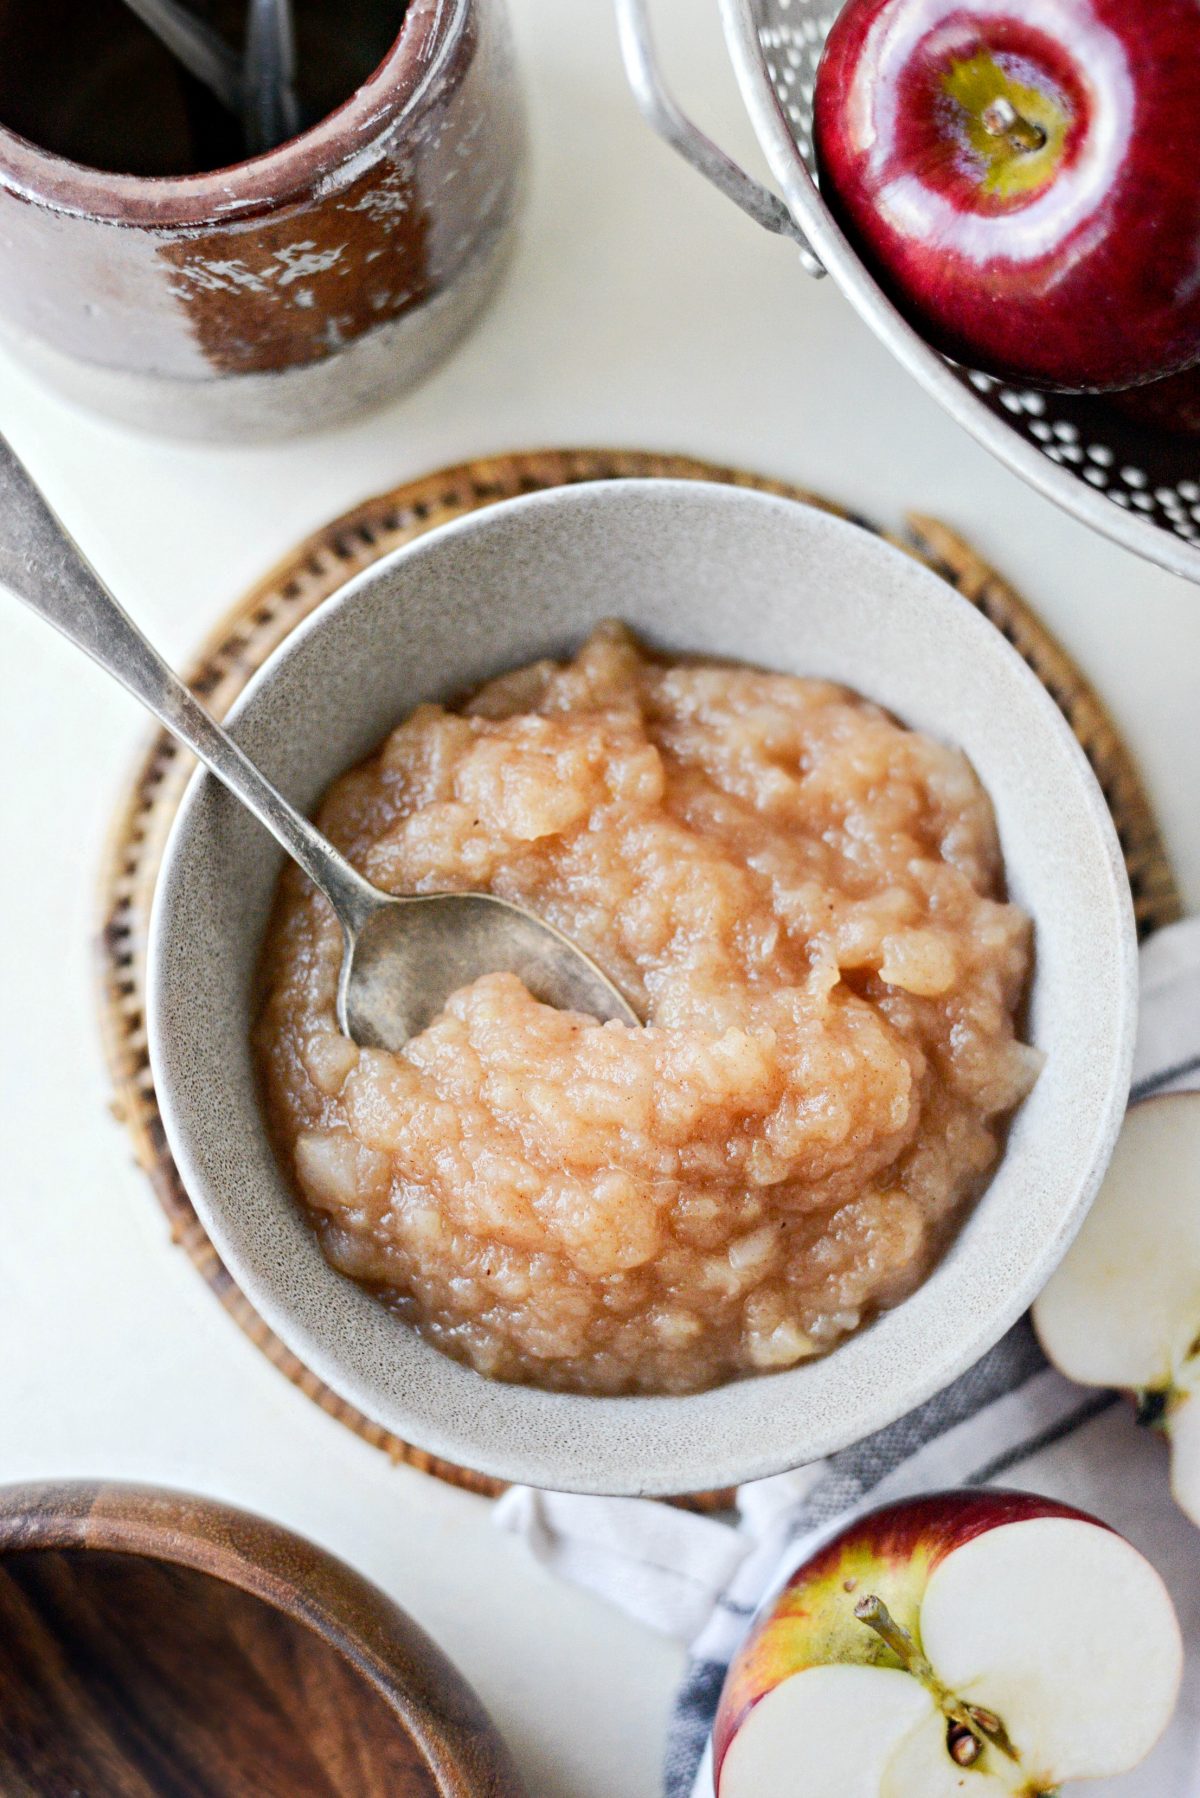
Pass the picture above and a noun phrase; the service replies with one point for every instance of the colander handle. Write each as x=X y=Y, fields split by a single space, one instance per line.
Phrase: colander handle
x=658 y=108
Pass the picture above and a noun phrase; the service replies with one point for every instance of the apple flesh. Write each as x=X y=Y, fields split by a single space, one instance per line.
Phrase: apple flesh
x=1022 y=179
x=1124 y=1308
x=978 y=1643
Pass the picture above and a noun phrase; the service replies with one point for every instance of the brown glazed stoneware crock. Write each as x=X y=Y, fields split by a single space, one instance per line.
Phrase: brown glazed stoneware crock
x=290 y=290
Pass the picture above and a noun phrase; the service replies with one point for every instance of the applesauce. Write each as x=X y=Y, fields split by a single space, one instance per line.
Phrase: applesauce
x=805 y=902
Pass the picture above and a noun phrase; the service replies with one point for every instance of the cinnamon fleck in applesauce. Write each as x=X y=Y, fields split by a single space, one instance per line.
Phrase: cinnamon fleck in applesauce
x=804 y=901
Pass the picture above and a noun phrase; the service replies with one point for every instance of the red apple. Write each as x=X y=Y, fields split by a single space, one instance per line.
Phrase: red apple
x=976 y=1644
x=1023 y=178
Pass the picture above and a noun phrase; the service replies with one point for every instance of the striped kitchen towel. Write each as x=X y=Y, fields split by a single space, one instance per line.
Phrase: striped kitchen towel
x=1010 y=1419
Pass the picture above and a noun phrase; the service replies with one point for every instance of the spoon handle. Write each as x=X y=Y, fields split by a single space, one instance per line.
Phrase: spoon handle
x=270 y=110
x=41 y=564
x=202 y=51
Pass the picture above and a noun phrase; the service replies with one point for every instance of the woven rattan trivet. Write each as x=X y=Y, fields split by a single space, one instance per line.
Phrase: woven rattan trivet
x=242 y=642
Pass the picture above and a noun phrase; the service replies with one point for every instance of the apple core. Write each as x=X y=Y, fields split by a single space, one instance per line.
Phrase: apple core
x=970 y=1728
x=1014 y=133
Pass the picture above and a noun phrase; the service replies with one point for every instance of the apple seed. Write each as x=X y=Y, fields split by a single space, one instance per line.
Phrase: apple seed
x=993 y=1729
x=963 y=1748
x=988 y=1721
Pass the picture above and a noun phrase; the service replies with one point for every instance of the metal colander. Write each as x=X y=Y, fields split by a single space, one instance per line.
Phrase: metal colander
x=1137 y=485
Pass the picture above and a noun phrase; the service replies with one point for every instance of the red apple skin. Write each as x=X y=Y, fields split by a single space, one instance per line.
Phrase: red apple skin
x=891 y=1552
x=1074 y=265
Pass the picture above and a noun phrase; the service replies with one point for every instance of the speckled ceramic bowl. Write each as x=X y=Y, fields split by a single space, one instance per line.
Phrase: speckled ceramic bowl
x=721 y=571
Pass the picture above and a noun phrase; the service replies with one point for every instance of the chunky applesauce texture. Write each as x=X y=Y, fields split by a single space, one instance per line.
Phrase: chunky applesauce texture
x=803 y=900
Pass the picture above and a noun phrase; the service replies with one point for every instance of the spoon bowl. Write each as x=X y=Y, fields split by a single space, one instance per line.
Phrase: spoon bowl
x=409 y=954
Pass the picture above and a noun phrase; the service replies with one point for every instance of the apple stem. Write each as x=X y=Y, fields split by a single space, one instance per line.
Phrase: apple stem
x=872 y=1611
x=1002 y=119
x=982 y=1725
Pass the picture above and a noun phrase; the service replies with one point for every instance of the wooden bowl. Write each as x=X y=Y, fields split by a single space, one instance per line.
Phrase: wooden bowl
x=155 y=1643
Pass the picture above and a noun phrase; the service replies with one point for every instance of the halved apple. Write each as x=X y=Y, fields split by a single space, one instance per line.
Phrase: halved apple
x=1124 y=1308
x=974 y=1643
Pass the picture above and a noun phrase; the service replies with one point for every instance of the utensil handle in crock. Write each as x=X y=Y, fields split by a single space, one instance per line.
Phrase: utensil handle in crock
x=660 y=110
x=41 y=564
x=202 y=51
x=270 y=109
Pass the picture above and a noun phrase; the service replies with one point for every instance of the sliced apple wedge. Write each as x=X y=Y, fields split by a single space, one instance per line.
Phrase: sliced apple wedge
x=1124 y=1308
x=960 y=1646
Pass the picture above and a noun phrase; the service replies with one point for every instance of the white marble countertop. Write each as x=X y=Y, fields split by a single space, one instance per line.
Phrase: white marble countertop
x=642 y=311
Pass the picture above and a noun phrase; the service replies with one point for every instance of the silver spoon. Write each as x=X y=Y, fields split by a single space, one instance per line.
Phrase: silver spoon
x=403 y=956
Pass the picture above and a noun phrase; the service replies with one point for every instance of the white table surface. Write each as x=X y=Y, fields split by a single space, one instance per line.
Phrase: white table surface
x=642 y=311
